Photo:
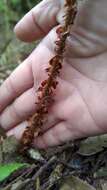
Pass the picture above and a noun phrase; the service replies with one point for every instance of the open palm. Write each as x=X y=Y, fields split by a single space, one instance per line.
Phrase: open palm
x=80 y=107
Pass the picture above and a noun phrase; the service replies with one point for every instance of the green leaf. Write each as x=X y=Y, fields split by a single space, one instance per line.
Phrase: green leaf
x=7 y=169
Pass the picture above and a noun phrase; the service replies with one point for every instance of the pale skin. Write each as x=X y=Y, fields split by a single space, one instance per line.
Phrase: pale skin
x=80 y=107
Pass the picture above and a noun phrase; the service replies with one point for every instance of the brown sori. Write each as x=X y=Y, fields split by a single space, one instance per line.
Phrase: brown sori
x=48 y=86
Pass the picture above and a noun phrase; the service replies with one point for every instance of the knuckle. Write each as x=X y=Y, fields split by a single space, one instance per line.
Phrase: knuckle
x=10 y=86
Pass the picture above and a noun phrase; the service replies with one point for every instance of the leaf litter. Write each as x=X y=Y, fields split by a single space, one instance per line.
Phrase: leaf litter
x=62 y=167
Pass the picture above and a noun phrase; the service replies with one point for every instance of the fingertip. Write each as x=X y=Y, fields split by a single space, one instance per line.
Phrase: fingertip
x=18 y=130
x=37 y=22
x=46 y=140
x=40 y=143
x=26 y=29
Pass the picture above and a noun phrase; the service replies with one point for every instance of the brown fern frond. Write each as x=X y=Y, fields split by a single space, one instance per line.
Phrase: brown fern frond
x=48 y=86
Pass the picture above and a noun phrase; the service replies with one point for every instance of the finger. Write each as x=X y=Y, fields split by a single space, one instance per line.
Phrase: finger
x=65 y=131
x=56 y=135
x=16 y=113
x=38 y=21
x=41 y=51
x=18 y=82
x=23 y=77
x=19 y=110
x=18 y=130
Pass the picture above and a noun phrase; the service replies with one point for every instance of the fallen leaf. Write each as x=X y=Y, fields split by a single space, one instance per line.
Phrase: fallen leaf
x=74 y=183
x=102 y=172
x=104 y=186
x=35 y=154
x=93 y=145
x=7 y=169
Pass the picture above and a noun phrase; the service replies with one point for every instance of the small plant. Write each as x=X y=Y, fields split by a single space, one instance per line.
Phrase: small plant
x=48 y=86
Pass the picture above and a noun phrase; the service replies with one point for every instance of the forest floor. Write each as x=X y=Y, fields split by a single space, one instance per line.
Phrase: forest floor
x=79 y=165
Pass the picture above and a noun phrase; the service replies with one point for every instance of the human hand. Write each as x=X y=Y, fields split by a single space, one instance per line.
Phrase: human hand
x=80 y=107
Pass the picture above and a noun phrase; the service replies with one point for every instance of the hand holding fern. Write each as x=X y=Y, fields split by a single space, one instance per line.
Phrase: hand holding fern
x=80 y=107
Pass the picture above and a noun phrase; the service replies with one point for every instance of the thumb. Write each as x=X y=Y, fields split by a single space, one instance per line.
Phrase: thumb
x=38 y=22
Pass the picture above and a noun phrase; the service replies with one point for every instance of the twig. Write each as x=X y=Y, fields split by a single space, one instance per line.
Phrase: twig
x=44 y=167
x=47 y=185
x=25 y=172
